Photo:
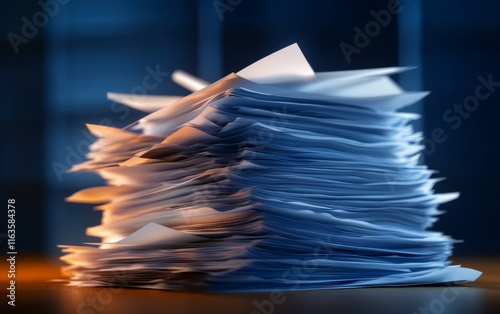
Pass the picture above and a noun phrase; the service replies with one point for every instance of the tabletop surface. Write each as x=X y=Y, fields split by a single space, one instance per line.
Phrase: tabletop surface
x=35 y=293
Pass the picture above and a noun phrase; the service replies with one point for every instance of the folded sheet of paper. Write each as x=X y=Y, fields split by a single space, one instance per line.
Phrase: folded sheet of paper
x=275 y=177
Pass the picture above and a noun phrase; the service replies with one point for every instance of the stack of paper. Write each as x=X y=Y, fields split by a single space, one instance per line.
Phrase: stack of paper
x=276 y=177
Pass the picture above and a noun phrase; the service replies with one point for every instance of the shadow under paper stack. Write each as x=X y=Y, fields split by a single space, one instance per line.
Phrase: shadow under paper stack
x=276 y=177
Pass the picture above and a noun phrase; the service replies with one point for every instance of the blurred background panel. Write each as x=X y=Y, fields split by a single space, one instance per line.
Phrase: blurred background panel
x=460 y=44
x=58 y=79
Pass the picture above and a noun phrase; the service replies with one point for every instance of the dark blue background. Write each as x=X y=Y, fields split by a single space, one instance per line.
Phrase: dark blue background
x=58 y=80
